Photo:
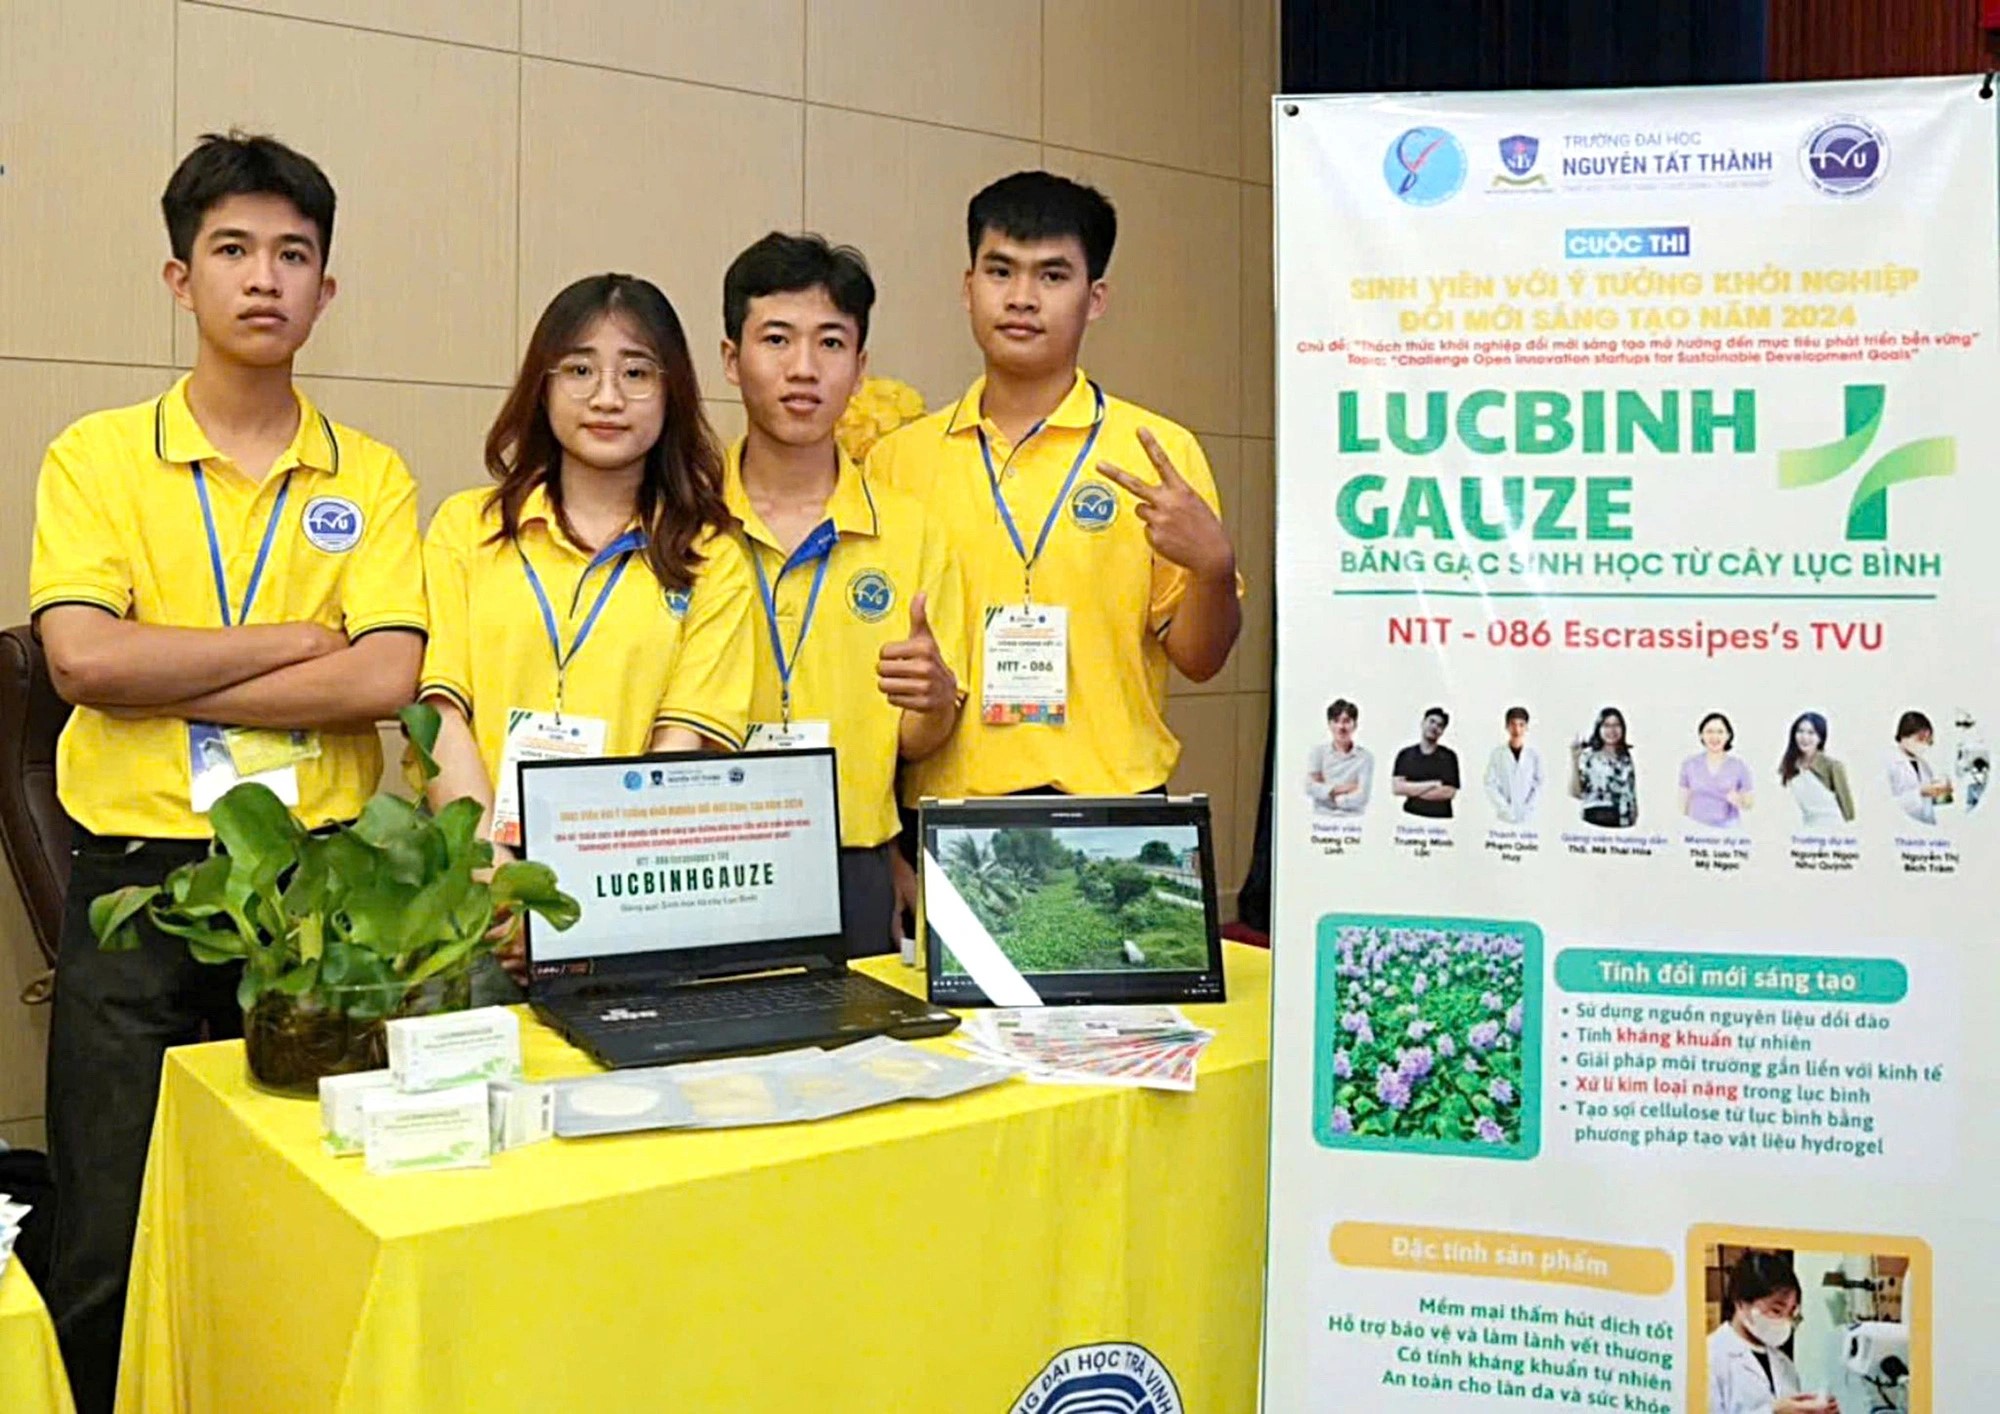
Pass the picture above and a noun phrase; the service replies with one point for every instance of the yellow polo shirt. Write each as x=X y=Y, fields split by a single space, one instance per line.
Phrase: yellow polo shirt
x=1097 y=563
x=118 y=525
x=886 y=550
x=652 y=659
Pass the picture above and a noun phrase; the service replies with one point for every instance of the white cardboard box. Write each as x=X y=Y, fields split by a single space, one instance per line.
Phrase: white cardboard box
x=521 y=1113
x=439 y=1129
x=340 y=1099
x=455 y=1048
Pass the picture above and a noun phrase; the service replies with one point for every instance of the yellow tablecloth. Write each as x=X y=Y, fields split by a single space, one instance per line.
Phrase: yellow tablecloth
x=31 y=1369
x=921 y=1257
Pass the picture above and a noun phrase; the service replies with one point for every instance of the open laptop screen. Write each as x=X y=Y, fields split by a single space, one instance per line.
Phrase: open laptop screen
x=679 y=852
x=1087 y=900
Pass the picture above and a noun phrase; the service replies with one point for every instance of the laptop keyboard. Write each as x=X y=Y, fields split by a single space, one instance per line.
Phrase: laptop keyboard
x=732 y=1001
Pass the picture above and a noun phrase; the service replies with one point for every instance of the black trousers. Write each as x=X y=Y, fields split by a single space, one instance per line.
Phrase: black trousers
x=115 y=1015
x=868 y=901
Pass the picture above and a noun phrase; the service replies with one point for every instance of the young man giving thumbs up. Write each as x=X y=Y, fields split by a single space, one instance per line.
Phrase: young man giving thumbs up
x=861 y=623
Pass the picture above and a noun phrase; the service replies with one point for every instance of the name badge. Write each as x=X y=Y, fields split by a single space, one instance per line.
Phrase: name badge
x=799 y=736
x=537 y=736
x=1026 y=660
x=213 y=772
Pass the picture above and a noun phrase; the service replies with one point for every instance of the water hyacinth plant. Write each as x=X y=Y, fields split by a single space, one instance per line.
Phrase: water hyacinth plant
x=1426 y=1034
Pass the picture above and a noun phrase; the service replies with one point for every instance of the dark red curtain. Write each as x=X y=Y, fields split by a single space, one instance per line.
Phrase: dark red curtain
x=1863 y=39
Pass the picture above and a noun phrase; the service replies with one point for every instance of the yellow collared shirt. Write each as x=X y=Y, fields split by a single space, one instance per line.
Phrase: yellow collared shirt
x=118 y=525
x=652 y=659
x=887 y=551
x=1097 y=563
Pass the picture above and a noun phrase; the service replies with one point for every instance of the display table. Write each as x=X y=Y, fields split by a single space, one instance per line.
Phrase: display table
x=31 y=1369
x=923 y=1256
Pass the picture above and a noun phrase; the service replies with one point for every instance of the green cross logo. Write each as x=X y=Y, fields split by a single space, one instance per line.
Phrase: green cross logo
x=1868 y=512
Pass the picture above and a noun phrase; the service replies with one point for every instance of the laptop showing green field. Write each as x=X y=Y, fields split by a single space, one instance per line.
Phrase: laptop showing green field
x=1051 y=900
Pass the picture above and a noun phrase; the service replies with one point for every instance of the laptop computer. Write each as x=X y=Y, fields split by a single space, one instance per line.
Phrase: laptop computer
x=1069 y=899
x=711 y=898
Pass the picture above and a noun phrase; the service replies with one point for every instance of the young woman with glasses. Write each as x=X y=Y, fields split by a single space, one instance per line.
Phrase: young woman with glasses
x=596 y=601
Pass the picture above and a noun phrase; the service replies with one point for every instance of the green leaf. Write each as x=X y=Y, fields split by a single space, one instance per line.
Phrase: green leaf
x=256 y=831
x=458 y=822
x=311 y=937
x=421 y=723
x=1482 y=1104
x=248 y=989
x=411 y=845
x=111 y=917
x=299 y=980
x=208 y=943
x=445 y=958
x=533 y=887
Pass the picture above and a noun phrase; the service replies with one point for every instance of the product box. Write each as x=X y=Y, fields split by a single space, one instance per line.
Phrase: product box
x=340 y=1099
x=520 y=1113
x=440 y=1129
x=457 y=1048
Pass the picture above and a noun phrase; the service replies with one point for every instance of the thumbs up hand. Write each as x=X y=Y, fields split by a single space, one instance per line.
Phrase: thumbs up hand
x=912 y=674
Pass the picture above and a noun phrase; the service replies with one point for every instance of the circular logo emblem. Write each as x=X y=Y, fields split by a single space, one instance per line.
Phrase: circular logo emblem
x=1093 y=506
x=677 y=602
x=1424 y=166
x=332 y=524
x=1845 y=156
x=736 y=775
x=871 y=596
x=634 y=781
x=1113 y=1378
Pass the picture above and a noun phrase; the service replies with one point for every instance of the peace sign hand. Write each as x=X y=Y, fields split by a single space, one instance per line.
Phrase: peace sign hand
x=1179 y=524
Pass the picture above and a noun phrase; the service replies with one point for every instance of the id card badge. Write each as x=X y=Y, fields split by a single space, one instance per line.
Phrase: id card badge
x=799 y=736
x=537 y=736
x=212 y=771
x=254 y=750
x=1026 y=661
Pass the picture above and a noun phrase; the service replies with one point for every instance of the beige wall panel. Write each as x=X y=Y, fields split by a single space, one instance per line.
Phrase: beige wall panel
x=24 y=1133
x=1256 y=556
x=898 y=190
x=38 y=400
x=1261 y=78
x=426 y=274
x=1225 y=459
x=757 y=45
x=493 y=24
x=1206 y=727
x=966 y=63
x=1259 y=336
x=1253 y=718
x=725 y=417
x=24 y=1030
x=721 y=169
x=86 y=124
x=1153 y=80
x=1172 y=336
x=440 y=431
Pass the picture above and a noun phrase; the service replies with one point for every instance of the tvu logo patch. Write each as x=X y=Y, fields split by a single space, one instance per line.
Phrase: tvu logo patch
x=871 y=595
x=332 y=524
x=1093 y=506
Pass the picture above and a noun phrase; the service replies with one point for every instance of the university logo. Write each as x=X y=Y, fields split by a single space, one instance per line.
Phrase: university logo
x=1093 y=507
x=1845 y=156
x=1517 y=155
x=736 y=775
x=678 y=601
x=1868 y=509
x=870 y=595
x=332 y=524
x=1424 y=166
x=1112 y=1378
x=634 y=781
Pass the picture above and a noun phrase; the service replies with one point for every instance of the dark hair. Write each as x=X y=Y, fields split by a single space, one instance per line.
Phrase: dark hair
x=1341 y=707
x=1517 y=714
x=1789 y=767
x=243 y=164
x=1718 y=717
x=1910 y=723
x=780 y=264
x=680 y=494
x=1624 y=732
x=1444 y=717
x=1040 y=206
x=1755 y=1276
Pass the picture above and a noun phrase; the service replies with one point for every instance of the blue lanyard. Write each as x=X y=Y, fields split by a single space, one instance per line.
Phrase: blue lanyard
x=1055 y=510
x=816 y=546
x=623 y=549
x=215 y=548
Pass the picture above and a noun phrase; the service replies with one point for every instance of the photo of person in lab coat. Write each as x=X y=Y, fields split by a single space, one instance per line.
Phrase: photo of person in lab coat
x=1917 y=788
x=1749 y=1369
x=1514 y=773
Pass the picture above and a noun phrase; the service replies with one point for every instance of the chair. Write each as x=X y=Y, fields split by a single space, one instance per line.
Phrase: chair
x=34 y=830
